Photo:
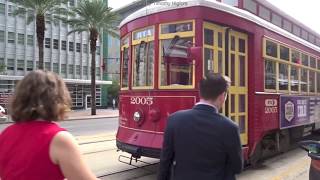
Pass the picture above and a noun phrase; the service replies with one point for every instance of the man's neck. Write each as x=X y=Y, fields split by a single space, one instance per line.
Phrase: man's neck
x=209 y=103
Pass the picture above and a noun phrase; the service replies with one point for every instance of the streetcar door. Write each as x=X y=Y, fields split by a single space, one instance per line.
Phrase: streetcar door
x=237 y=71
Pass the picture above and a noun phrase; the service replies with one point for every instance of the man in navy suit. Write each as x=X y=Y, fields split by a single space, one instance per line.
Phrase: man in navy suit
x=199 y=143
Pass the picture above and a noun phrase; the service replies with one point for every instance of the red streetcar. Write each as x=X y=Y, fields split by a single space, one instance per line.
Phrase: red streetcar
x=273 y=62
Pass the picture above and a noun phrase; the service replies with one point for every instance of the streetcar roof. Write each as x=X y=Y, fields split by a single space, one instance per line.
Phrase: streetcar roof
x=162 y=6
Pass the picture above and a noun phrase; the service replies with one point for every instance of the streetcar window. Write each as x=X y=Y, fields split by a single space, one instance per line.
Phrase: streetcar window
x=242 y=124
x=305 y=59
x=294 y=78
x=233 y=43
x=174 y=28
x=125 y=68
x=242 y=71
x=284 y=53
x=296 y=30
x=242 y=103
x=287 y=25
x=318 y=42
x=231 y=2
x=270 y=75
x=242 y=45
x=208 y=56
x=313 y=62
x=143 y=60
x=304 y=80
x=264 y=13
x=312 y=39
x=318 y=82
x=318 y=63
x=271 y=49
x=250 y=5
x=220 y=45
x=295 y=56
x=304 y=34
x=209 y=37
x=276 y=20
x=312 y=83
x=176 y=69
x=283 y=80
x=220 y=62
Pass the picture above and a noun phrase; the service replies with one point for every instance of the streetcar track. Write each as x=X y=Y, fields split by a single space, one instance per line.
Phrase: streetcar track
x=94 y=142
x=130 y=169
x=104 y=150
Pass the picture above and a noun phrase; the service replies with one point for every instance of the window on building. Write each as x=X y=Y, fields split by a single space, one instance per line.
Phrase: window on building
x=276 y=20
x=294 y=78
x=270 y=74
x=21 y=39
x=98 y=71
x=37 y=64
x=231 y=2
x=78 y=47
x=1 y=36
x=85 y=48
x=71 y=46
x=29 y=65
x=55 y=44
x=284 y=53
x=296 y=30
x=264 y=13
x=22 y=13
x=47 y=66
x=20 y=65
x=10 y=64
x=98 y=50
x=30 y=14
x=287 y=25
x=63 y=68
x=30 y=40
x=71 y=2
x=11 y=37
x=2 y=8
x=250 y=5
x=55 y=67
x=271 y=49
x=283 y=80
x=78 y=69
x=2 y=61
x=47 y=43
x=304 y=34
x=11 y=9
x=71 y=66
x=64 y=45
x=85 y=70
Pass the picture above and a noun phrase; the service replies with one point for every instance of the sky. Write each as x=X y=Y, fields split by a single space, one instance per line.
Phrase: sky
x=304 y=11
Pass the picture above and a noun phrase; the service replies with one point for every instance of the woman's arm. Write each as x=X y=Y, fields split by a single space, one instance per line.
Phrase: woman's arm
x=64 y=151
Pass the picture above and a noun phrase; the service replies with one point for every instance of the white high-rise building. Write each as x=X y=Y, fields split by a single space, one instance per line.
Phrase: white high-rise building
x=67 y=55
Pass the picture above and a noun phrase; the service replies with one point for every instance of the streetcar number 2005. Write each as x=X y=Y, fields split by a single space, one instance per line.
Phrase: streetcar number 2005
x=141 y=100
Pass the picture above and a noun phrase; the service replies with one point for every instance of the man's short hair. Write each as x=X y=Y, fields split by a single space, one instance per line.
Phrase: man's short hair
x=213 y=85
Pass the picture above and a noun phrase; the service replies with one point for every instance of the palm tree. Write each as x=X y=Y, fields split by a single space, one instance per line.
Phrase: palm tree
x=41 y=9
x=95 y=17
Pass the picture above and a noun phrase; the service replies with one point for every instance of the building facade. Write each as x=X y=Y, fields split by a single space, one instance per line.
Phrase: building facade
x=67 y=55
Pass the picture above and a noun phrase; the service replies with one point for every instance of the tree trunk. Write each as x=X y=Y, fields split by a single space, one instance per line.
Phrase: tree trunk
x=41 y=26
x=93 y=47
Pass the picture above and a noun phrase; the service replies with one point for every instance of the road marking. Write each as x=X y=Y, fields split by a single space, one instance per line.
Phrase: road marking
x=294 y=170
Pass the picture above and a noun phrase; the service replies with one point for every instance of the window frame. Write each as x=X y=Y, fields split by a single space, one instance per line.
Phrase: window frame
x=135 y=42
x=187 y=34
x=125 y=44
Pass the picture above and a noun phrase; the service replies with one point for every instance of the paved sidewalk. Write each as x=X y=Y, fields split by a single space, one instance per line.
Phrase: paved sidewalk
x=86 y=114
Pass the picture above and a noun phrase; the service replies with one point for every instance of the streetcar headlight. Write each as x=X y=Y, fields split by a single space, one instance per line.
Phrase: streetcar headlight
x=137 y=116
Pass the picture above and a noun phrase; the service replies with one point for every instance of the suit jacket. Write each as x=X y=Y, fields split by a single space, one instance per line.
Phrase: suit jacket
x=201 y=144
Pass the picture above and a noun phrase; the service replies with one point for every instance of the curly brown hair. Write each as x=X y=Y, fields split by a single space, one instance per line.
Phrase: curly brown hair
x=40 y=95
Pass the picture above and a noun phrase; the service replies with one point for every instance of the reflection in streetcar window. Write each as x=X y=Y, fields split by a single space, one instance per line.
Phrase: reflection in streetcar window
x=143 y=60
x=176 y=69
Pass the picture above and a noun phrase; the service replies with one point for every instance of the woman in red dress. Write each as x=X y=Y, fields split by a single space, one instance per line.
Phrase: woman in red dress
x=35 y=147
